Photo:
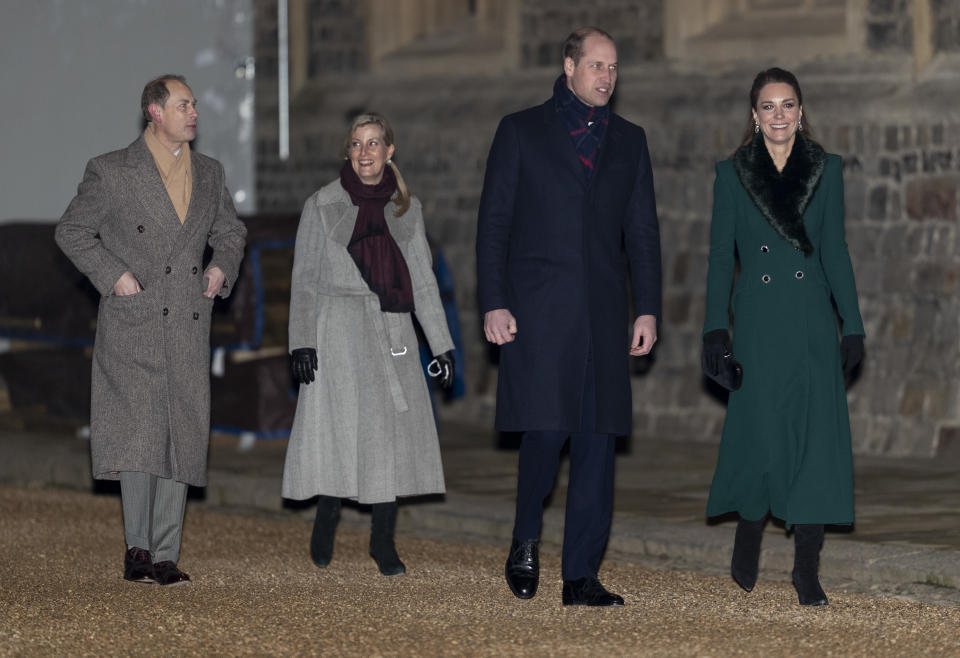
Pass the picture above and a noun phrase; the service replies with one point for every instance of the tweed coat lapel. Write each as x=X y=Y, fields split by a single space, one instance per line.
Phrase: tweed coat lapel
x=142 y=180
x=564 y=153
x=204 y=194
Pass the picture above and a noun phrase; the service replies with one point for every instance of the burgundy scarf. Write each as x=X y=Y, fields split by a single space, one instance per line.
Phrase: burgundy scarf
x=373 y=249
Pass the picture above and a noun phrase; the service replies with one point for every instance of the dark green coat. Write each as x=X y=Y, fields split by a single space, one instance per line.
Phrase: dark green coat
x=786 y=439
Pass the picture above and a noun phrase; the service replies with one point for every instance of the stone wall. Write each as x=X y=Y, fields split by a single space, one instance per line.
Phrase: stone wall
x=637 y=27
x=900 y=141
x=946 y=25
x=337 y=37
x=904 y=242
x=889 y=26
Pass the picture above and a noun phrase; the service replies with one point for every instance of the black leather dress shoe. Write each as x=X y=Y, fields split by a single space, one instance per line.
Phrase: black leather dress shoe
x=138 y=567
x=523 y=568
x=588 y=591
x=166 y=573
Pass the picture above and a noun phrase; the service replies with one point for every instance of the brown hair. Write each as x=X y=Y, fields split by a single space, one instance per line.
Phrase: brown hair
x=573 y=45
x=764 y=78
x=372 y=118
x=156 y=92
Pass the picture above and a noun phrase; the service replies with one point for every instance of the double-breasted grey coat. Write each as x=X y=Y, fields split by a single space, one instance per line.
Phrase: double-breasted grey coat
x=364 y=429
x=150 y=402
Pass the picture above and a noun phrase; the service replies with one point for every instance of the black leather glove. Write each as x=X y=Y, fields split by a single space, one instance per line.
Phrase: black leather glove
x=447 y=368
x=303 y=361
x=851 y=352
x=716 y=344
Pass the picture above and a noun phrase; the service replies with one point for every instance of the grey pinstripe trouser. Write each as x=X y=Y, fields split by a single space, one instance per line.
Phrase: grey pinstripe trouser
x=153 y=510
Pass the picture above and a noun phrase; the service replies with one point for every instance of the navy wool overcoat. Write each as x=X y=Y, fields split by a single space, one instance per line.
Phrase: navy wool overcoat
x=550 y=249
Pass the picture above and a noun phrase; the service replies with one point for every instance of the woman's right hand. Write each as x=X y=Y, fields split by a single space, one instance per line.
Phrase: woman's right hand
x=716 y=345
x=303 y=361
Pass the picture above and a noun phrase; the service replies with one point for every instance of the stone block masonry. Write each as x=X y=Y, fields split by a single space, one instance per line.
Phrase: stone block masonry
x=899 y=137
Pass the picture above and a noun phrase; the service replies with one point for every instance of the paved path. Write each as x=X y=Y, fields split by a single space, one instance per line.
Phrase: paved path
x=255 y=592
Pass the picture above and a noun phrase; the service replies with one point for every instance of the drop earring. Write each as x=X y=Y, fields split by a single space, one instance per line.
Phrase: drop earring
x=756 y=127
x=800 y=124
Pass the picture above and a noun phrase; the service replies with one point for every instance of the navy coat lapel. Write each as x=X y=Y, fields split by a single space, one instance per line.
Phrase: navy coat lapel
x=562 y=145
x=608 y=155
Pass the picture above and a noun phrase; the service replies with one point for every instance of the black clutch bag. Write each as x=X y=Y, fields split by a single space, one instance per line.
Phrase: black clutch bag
x=730 y=373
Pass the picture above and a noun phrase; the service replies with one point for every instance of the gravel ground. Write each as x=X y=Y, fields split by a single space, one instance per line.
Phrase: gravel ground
x=255 y=592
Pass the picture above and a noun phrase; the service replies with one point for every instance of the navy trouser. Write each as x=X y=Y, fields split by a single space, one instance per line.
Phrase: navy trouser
x=589 y=491
x=589 y=495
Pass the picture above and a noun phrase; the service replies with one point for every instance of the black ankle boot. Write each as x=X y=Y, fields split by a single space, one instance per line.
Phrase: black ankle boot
x=807 y=539
x=382 y=548
x=746 y=552
x=324 y=527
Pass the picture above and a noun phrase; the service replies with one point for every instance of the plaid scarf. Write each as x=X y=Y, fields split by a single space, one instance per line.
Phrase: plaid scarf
x=587 y=125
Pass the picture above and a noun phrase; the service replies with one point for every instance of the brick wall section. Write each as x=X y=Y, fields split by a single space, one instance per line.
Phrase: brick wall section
x=946 y=25
x=337 y=37
x=901 y=183
x=902 y=230
x=901 y=149
x=637 y=27
x=889 y=26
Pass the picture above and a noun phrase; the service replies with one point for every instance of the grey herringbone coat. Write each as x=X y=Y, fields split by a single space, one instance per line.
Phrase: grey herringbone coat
x=150 y=403
x=364 y=429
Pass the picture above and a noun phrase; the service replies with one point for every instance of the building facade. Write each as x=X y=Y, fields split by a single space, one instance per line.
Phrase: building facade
x=881 y=81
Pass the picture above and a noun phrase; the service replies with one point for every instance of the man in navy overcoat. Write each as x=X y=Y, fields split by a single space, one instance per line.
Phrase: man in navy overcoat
x=568 y=189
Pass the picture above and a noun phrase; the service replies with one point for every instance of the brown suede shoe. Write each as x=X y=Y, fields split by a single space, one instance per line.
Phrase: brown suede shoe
x=166 y=573
x=138 y=567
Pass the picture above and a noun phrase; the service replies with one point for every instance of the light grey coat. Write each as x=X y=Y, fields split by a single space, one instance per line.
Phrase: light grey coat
x=364 y=429
x=150 y=402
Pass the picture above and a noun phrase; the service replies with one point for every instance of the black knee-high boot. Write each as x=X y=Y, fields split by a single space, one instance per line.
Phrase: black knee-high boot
x=324 y=527
x=807 y=539
x=745 y=562
x=382 y=548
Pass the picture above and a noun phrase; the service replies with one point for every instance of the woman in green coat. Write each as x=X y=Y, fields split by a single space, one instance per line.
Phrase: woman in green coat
x=785 y=451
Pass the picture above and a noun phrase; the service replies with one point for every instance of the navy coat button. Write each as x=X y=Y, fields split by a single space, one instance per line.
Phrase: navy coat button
x=764 y=249
x=166 y=311
x=194 y=270
x=799 y=274
x=140 y=229
x=167 y=269
x=765 y=278
x=196 y=316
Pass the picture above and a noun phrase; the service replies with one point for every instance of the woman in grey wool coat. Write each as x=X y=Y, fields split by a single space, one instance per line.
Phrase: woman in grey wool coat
x=364 y=426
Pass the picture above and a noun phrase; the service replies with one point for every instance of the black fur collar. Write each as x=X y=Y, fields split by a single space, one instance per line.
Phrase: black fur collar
x=782 y=196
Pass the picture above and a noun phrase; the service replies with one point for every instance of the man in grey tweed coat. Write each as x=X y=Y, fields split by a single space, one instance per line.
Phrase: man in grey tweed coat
x=137 y=229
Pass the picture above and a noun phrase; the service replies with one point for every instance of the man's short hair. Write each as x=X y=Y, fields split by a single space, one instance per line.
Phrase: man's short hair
x=573 y=46
x=156 y=92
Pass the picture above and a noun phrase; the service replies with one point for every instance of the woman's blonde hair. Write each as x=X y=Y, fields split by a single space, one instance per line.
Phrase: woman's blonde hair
x=402 y=199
